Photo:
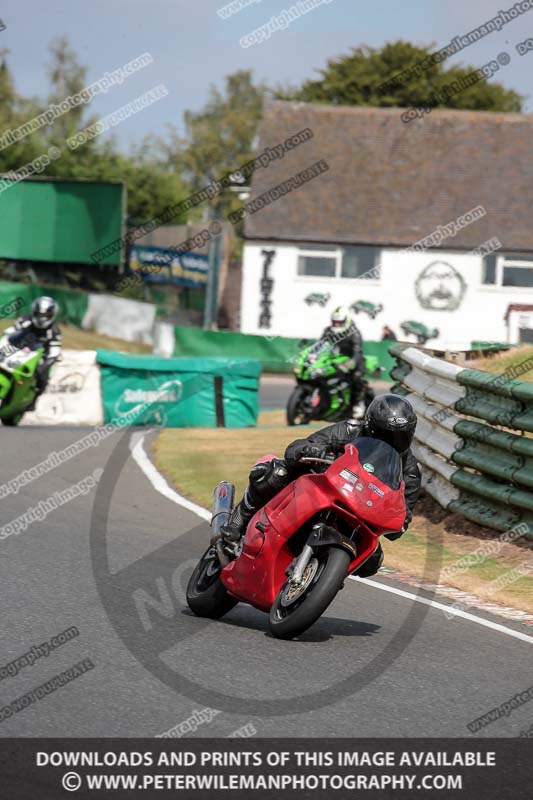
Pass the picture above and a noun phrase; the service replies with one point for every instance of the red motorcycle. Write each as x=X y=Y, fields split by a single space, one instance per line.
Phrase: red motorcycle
x=300 y=547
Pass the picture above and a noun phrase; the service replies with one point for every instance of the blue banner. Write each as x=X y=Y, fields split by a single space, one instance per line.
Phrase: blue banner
x=161 y=265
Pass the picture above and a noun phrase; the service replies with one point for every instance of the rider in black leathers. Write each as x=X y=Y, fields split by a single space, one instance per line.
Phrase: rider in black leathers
x=39 y=327
x=344 y=338
x=389 y=417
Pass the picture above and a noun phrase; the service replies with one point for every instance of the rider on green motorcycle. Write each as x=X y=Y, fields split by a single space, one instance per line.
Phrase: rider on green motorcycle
x=344 y=338
x=39 y=327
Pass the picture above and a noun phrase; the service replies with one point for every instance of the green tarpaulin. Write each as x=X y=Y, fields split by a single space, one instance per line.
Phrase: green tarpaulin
x=179 y=392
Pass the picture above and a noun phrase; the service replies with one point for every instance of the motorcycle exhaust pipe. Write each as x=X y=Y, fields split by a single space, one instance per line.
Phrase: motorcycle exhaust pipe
x=223 y=498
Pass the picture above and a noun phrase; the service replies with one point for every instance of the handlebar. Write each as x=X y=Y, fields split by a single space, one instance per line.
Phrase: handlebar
x=312 y=460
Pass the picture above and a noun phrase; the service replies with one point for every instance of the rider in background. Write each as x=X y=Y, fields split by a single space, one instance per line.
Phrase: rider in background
x=389 y=417
x=388 y=335
x=344 y=338
x=41 y=328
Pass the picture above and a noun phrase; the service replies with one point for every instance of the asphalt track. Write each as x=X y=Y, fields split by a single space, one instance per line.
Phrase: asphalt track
x=275 y=390
x=376 y=665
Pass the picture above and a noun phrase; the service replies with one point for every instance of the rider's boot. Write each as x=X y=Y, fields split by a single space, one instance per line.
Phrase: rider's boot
x=38 y=393
x=371 y=565
x=235 y=527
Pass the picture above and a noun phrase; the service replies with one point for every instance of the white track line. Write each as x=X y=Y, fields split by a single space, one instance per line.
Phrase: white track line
x=160 y=485
x=448 y=609
x=158 y=482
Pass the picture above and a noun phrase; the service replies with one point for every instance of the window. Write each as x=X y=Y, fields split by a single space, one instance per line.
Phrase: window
x=489 y=270
x=320 y=266
x=519 y=275
x=515 y=271
x=347 y=262
x=359 y=262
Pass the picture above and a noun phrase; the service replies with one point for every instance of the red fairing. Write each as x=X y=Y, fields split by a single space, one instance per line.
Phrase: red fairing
x=347 y=489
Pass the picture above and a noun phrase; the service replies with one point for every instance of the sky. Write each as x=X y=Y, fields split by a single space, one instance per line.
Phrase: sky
x=193 y=47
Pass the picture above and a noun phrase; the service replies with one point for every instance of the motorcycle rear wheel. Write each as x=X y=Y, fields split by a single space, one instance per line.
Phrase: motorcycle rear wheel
x=291 y=615
x=295 y=416
x=206 y=594
x=12 y=421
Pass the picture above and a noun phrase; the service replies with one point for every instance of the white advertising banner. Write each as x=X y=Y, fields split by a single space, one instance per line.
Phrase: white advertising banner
x=73 y=395
x=164 y=339
x=130 y=320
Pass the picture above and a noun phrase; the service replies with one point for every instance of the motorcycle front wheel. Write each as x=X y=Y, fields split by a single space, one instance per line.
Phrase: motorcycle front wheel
x=296 y=414
x=206 y=594
x=12 y=421
x=295 y=609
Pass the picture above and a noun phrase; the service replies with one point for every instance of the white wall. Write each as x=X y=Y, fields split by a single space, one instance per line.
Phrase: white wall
x=480 y=315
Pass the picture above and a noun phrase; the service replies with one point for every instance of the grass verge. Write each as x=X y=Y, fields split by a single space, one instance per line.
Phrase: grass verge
x=196 y=459
x=521 y=358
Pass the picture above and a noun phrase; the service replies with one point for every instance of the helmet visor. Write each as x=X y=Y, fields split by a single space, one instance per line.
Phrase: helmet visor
x=43 y=318
x=399 y=439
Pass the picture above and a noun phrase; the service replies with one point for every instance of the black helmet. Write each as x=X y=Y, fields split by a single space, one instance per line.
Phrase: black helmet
x=392 y=419
x=43 y=312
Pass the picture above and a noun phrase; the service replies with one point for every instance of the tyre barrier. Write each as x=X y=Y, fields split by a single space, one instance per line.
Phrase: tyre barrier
x=470 y=439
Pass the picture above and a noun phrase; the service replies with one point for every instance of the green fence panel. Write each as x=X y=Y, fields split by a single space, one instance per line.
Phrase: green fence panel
x=476 y=345
x=16 y=299
x=275 y=354
x=381 y=351
x=72 y=305
x=179 y=392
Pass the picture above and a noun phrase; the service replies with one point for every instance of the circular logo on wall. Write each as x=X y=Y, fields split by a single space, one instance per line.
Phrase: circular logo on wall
x=440 y=287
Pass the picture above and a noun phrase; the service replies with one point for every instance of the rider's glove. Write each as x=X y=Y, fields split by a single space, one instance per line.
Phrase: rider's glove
x=396 y=534
x=346 y=366
x=312 y=451
x=316 y=373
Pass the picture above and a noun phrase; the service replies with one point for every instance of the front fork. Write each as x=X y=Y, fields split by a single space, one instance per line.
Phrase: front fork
x=321 y=535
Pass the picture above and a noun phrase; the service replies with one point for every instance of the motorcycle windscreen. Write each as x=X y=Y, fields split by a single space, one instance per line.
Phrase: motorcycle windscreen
x=379 y=460
x=370 y=480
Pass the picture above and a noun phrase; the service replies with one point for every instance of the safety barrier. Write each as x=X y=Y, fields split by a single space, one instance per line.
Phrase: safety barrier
x=179 y=392
x=480 y=469
x=274 y=353
x=89 y=387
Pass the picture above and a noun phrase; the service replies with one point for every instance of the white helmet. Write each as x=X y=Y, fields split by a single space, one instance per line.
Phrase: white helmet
x=340 y=319
x=43 y=312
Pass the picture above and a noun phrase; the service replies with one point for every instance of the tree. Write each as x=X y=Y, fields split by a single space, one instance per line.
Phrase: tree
x=14 y=111
x=67 y=78
x=150 y=187
x=359 y=79
x=220 y=137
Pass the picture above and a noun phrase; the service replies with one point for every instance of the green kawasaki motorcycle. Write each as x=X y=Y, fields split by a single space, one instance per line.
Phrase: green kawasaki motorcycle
x=18 y=365
x=323 y=393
